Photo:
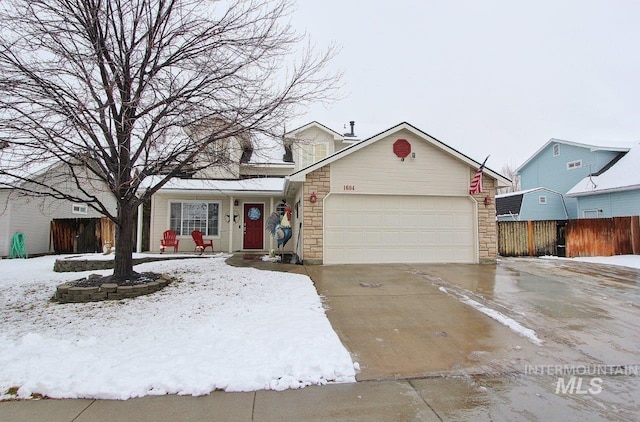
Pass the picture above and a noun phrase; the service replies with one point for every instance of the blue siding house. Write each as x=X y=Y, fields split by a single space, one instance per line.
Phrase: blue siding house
x=613 y=192
x=560 y=165
x=532 y=204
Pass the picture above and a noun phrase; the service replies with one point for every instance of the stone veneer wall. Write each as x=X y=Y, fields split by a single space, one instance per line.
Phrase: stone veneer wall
x=487 y=226
x=318 y=182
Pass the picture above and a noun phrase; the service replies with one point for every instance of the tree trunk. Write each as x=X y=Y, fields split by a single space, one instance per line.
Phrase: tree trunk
x=123 y=266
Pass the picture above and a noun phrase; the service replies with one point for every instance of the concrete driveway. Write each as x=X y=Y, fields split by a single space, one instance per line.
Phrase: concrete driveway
x=402 y=321
x=464 y=336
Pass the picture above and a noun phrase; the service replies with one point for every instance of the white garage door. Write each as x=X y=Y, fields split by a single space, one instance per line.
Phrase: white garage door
x=395 y=229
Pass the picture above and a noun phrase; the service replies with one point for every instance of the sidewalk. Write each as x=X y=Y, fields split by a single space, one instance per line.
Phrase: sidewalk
x=380 y=401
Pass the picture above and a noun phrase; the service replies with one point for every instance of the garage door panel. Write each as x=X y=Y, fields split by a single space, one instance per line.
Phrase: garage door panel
x=378 y=229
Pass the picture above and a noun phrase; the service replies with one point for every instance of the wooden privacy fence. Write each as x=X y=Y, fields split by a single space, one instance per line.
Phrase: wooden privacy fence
x=81 y=235
x=603 y=236
x=582 y=237
x=527 y=238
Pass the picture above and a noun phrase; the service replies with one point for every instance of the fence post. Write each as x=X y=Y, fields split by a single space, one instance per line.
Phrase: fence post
x=532 y=250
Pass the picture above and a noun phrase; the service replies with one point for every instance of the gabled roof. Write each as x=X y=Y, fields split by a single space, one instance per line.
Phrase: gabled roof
x=299 y=176
x=336 y=136
x=591 y=147
x=623 y=175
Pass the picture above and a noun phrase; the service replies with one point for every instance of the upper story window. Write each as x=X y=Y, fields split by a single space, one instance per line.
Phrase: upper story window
x=79 y=209
x=219 y=151
x=313 y=153
x=556 y=150
x=574 y=164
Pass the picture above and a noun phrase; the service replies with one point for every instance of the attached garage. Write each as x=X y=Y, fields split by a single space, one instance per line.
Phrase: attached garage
x=401 y=196
x=360 y=229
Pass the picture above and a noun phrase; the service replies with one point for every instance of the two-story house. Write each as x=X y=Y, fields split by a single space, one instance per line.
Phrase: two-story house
x=398 y=196
x=550 y=173
x=613 y=191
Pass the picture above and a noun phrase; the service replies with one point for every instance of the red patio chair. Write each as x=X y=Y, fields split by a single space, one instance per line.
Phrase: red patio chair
x=168 y=240
x=200 y=243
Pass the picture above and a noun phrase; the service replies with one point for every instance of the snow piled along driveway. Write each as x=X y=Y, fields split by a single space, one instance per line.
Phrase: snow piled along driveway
x=234 y=329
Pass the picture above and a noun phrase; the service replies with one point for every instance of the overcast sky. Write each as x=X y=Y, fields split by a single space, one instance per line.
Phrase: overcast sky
x=485 y=77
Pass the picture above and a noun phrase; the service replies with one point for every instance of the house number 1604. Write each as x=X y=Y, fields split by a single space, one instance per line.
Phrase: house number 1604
x=349 y=187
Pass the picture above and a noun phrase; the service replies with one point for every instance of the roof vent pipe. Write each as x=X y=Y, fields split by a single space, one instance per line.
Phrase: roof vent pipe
x=352 y=123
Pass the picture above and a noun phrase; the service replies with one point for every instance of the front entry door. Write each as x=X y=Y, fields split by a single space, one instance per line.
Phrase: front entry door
x=253 y=226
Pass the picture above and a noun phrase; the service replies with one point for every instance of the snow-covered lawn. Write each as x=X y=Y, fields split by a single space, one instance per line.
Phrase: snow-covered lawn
x=235 y=329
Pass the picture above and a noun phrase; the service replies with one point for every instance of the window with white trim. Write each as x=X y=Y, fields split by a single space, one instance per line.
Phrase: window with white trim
x=186 y=217
x=556 y=150
x=574 y=164
x=79 y=209
x=542 y=200
x=590 y=213
x=313 y=153
x=219 y=151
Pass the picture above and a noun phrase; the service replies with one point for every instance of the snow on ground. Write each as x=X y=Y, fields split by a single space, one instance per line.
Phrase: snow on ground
x=504 y=320
x=631 y=261
x=513 y=325
x=220 y=327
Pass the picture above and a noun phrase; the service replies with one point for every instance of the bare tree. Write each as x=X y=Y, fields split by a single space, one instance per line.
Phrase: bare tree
x=511 y=173
x=116 y=87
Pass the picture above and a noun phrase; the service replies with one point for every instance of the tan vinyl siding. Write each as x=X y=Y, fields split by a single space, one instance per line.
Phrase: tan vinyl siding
x=376 y=169
x=160 y=220
x=28 y=217
x=33 y=216
x=311 y=136
x=5 y=217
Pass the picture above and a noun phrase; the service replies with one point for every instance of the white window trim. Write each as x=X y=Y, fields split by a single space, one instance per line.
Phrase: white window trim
x=575 y=164
x=313 y=145
x=597 y=211
x=556 y=150
x=198 y=201
x=79 y=209
x=542 y=200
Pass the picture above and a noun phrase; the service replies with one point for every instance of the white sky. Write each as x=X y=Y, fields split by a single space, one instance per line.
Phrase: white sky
x=485 y=77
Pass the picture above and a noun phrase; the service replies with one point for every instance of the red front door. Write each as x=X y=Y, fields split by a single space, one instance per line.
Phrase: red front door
x=253 y=226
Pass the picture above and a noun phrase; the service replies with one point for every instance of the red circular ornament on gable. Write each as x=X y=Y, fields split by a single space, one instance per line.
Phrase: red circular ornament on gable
x=402 y=148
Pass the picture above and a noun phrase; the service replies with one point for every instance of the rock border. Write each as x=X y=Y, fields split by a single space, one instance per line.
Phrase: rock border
x=77 y=265
x=66 y=293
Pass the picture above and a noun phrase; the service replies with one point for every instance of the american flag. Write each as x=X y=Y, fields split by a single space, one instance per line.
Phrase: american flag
x=476 y=182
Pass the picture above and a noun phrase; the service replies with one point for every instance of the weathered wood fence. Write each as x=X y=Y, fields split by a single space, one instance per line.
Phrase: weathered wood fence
x=582 y=237
x=81 y=235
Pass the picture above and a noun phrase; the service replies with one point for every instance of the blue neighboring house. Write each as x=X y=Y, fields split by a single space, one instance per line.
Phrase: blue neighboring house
x=531 y=204
x=560 y=165
x=612 y=192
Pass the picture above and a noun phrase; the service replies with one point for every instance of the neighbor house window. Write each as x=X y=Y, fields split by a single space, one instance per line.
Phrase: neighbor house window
x=542 y=200
x=312 y=154
x=556 y=150
x=79 y=209
x=574 y=164
x=591 y=213
x=186 y=217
